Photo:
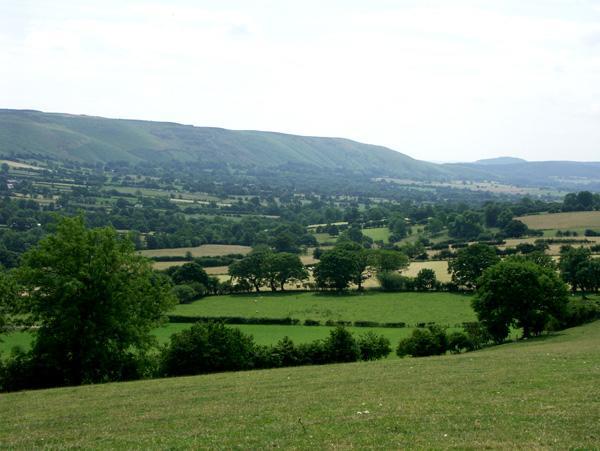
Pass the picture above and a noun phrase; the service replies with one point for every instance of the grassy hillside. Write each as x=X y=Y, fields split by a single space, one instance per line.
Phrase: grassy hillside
x=90 y=139
x=538 y=394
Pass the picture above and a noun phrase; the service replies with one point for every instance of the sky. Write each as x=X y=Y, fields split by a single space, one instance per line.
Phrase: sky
x=437 y=80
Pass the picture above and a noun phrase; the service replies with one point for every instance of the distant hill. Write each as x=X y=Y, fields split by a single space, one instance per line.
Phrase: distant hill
x=90 y=139
x=500 y=160
x=96 y=139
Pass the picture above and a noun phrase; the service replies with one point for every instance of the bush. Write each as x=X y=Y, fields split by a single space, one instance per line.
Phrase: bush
x=373 y=346
x=366 y=324
x=341 y=346
x=390 y=281
x=233 y=320
x=312 y=322
x=424 y=342
x=207 y=348
x=580 y=311
x=426 y=280
x=184 y=293
x=477 y=334
x=459 y=342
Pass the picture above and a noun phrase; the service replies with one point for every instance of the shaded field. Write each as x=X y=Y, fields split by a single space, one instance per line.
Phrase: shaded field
x=563 y=221
x=541 y=393
x=205 y=250
x=411 y=308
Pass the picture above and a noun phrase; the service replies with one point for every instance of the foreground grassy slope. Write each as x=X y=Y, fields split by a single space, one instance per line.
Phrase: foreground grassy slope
x=538 y=394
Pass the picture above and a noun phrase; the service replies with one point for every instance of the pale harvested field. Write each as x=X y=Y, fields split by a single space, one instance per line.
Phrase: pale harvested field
x=206 y=250
x=160 y=266
x=553 y=249
x=17 y=165
x=563 y=221
x=439 y=266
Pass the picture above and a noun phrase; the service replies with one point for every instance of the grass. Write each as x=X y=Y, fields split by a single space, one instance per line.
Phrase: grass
x=205 y=250
x=411 y=308
x=378 y=234
x=269 y=335
x=538 y=394
x=563 y=221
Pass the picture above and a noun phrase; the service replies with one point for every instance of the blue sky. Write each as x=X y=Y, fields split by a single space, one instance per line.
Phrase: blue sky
x=438 y=80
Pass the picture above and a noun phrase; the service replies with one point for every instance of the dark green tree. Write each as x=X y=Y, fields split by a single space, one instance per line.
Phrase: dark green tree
x=337 y=269
x=470 y=262
x=573 y=261
x=385 y=260
x=252 y=269
x=284 y=267
x=517 y=293
x=426 y=280
x=94 y=300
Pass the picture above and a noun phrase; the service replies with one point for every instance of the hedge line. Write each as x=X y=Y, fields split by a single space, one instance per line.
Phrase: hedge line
x=289 y=321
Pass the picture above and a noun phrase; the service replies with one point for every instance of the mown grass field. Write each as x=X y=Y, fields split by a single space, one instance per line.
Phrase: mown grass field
x=378 y=234
x=411 y=308
x=539 y=394
x=563 y=221
x=205 y=250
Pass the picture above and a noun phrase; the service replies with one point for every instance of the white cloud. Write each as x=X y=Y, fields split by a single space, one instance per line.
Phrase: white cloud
x=429 y=81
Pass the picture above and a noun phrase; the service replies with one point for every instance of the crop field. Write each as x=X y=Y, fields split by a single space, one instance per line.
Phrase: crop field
x=537 y=394
x=378 y=234
x=563 y=221
x=411 y=308
x=205 y=250
x=440 y=268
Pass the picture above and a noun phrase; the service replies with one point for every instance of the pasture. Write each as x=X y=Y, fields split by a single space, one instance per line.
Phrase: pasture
x=204 y=250
x=563 y=221
x=411 y=308
x=378 y=234
x=537 y=394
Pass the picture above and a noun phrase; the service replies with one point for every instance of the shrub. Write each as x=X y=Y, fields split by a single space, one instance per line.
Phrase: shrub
x=341 y=346
x=373 y=346
x=312 y=322
x=390 y=281
x=207 y=348
x=459 y=342
x=424 y=342
x=477 y=334
x=184 y=293
x=426 y=280
x=313 y=353
x=366 y=324
x=286 y=353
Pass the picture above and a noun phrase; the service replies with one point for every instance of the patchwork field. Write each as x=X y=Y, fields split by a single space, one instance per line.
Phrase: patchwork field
x=205 y=250
x=538 y=394
x=411 y=308
x=440 y=267
x=563 y=221
x=378 y=234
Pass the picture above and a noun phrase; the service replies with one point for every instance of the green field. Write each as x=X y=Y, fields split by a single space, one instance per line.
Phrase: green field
x=538 y=394
x=378 y=234
x=411 y=308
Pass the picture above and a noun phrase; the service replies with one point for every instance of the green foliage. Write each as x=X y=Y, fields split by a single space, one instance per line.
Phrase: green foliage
x=424 y=342
x=520 y=294
x=95 y=303
x=207 y=348
x=337 y=269
x=341 y=346
x=373 y=346
x=578 y=269
x=391 y=281
x=184 y=293
x=426 y=280
x=470 y=262
x=385 y=260
x=465 y=226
